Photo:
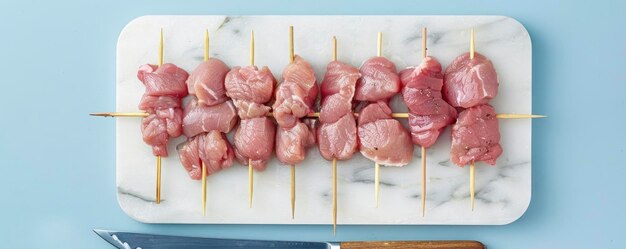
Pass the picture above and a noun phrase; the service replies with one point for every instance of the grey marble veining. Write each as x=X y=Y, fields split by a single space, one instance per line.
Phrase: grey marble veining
x=502 y=192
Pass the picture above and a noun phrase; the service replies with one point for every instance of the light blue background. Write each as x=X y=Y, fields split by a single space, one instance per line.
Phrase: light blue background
x=57 y=64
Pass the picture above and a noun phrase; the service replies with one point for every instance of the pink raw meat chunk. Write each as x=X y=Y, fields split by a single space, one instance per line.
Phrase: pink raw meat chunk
x=383 y=139
x=470 y=82
x=379 y=80
x=206 y=82
x=429 y=114
x=476 y=136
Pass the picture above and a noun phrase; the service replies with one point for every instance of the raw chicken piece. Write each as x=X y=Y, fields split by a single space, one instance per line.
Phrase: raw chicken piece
x=247 y=109
x=297 y=94
x=189 y=155
x=211 y=148
x=149 y=102
x=470 y=82
x=338 y=140
x=476 y=136
x=206 y=82
x=158 y=127
x=254 y=139
x=165 y=86
x=340 y=78
x=383 y=139
x=154 y=131
x=216 y=152
x=429 y=114
x=379 y=80
x=201 y=118
x=250 y=84
x=334 y=107
x=291 y=104
x=292 y=143
x=167 y=79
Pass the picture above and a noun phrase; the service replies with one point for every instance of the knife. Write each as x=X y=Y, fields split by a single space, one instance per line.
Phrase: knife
x=124 y=240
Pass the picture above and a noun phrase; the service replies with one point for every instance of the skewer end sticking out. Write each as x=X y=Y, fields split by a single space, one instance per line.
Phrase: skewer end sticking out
x=119 y=114
x=518 y=116
x=161 y=48
x=472 y=184
x=291 y=46
x=158 y=180
x=203 y=189
x=252 y=48
x=376 y=182
x=335 y=196
x=423 y=180
x=293 y=191
x=206 y=45
x=334 y=48
x=472 y=47
x=379 y=50
x=250 y=182
x=424 y=37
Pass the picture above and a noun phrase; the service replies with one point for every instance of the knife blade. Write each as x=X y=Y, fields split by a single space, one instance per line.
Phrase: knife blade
x=126 y=240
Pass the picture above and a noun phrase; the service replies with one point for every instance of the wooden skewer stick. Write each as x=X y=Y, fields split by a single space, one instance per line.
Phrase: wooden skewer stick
x=334 y=165
x=293 y=167
x=424 y=43
x=334 y=196
x=293 y=191
x=206 y=45
x=206 y=58
x=334 y=48
x=252 y=48
x=250 y=169
x=379 y=53
x=423 y=180
x=158 y=180
x=379 y=47
x=472 y=183
x=158 y=159
x=472 y=47
x=377 y=182
x=311 y=115
x=203 y=189
x=250 y=182
x=120 y=114
x=161 y=48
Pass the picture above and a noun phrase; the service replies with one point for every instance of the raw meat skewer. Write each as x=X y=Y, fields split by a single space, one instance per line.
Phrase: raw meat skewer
x=206 y=58
x=208 y=116
x=295 y=97
x=158 y=159
x=158 y=175
x=470 y=82
x=337 y=137
x=429 y=113
x=311 y=115
x=251 y=88
x=250 y=169
x=381 y=138
x=334 y=165
x=472 y=167
x=424 y=42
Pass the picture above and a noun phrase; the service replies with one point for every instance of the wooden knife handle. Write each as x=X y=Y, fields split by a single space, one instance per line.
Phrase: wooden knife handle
x=443 y=244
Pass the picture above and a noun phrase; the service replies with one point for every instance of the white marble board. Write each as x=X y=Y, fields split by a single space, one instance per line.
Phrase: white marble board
x=502 y=192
